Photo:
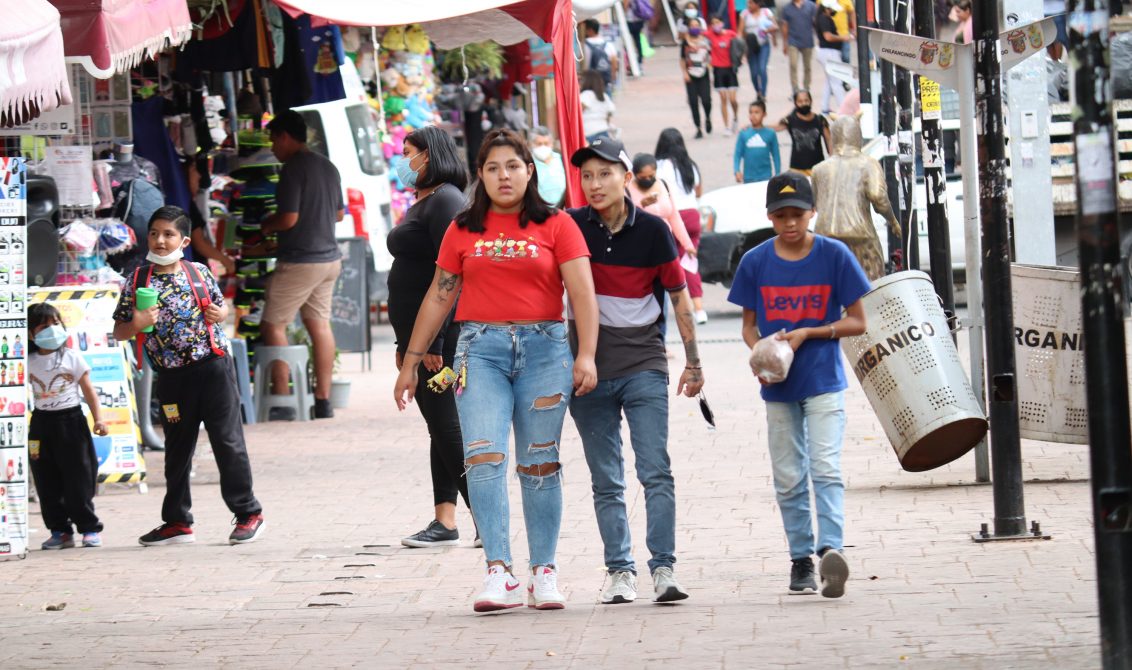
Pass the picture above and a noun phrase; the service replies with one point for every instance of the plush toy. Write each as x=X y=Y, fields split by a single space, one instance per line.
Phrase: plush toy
x=418 y=113
x=416 y=41
x=394 y=38
x=394 y=105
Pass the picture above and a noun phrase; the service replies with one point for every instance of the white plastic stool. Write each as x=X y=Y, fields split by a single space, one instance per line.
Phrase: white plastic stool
x=301 y=399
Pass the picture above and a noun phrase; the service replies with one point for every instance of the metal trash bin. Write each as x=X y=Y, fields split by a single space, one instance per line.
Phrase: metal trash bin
x=1049 y=352
x=909 y=368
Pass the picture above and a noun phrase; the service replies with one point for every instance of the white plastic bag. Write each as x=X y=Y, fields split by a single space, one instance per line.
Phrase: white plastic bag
x=771 y=358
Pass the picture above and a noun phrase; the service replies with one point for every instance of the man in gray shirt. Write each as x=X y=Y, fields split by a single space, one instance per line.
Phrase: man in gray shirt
x=798 y=38
x=309 y=199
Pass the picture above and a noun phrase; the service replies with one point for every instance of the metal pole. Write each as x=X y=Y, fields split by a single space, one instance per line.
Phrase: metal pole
x=1102 y=301
x=864 y=72
x=906 y=152
x=888 y=129
x=935 y=181
x=1006 y=449
x=968 y=143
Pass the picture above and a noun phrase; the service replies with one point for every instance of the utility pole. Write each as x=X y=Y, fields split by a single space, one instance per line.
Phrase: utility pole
x=935 y=179
x=905 y=150
x=1006 y=450
x=1102 y=304
x=888 y=129
x=864 y=72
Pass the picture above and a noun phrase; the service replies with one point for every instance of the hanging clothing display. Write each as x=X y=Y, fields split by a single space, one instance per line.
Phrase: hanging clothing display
x=151 y=141
x=322 y=50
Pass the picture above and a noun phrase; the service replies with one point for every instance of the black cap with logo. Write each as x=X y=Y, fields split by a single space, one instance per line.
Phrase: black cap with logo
x=606 y=149
x=789 y=189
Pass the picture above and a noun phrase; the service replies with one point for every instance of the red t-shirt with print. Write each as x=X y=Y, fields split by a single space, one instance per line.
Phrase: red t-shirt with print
x=511 y=273
x=721 y=47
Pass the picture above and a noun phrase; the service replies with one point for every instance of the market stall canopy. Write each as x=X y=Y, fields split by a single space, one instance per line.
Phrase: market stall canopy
x=111 y=36
x=454 y=23
x=449 y=23
x=33 y=77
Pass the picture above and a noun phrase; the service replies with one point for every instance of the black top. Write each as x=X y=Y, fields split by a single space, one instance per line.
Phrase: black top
x=825 y=25
x=415 y=244
x=807 y=137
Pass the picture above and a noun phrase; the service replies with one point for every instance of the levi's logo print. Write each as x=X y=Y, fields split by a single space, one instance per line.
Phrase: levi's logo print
x=504 y=248
x=795 y=303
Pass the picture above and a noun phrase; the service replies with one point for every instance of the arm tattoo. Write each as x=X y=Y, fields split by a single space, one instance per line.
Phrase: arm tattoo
x=445 y=284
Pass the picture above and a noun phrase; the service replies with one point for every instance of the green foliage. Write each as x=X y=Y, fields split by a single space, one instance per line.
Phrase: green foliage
x=482 y=58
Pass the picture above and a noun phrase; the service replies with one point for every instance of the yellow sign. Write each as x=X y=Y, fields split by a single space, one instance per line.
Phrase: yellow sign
x=930 y=107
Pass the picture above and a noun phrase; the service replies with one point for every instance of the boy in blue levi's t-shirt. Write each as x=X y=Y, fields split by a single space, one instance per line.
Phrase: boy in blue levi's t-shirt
x=799 y=282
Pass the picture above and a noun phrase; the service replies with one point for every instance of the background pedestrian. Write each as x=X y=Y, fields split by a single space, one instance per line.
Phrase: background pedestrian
x=807 y=133
x=677 y=169
x=695 y=64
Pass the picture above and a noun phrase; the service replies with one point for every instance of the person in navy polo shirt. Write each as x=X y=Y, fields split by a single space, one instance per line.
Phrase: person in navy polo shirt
x=799 y=282
x=634 y=262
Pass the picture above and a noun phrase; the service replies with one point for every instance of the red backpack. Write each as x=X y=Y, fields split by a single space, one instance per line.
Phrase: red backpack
x=200 y=292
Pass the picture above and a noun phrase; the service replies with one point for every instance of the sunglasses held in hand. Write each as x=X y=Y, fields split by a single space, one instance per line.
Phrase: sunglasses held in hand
x=705 y=409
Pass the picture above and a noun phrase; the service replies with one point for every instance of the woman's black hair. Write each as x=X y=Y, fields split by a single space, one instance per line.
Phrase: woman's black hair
x=444 y=163
x=800 y=92
x=39 y=314
x=670 y=146
x=174 y=215
x=642 y=161
x=591 y=80
x=533 y=208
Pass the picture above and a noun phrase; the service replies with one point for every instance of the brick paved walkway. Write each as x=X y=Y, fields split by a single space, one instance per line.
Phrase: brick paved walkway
x=329 y=585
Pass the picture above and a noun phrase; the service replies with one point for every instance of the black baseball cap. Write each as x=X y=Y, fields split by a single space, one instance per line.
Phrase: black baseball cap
x=604 y=148
x=290 y=122
x=789 y=189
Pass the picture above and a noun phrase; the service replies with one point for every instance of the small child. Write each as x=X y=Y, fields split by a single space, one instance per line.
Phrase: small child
x=63 y=461
x=799 y=282
x=196 y=380
x=756 y=149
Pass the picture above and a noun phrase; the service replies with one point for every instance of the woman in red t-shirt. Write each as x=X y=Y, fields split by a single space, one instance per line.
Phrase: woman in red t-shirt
x=508 y=258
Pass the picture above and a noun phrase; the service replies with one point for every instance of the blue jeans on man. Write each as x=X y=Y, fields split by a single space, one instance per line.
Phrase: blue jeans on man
x=643 y=397
x=805 y=448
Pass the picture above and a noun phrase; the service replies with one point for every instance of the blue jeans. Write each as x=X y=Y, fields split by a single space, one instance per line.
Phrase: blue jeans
x=644 y=398
x=805 y=446
x=846 y=52
x=519 y=375
x=757 y=63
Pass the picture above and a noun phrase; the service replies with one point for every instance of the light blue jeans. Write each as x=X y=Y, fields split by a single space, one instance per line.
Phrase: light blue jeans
x=644 y=399
x=805 y=446
x=518 y=375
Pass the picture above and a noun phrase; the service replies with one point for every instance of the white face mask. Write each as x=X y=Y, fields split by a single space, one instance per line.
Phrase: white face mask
x=174 y=256
x=542 y=152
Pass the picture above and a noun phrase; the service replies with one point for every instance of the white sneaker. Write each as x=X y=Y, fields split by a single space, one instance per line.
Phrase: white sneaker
x=666 y=587
x=622 y=589
x=727 y=131
x=500 y=591
x=701 y=316
x=542 y=591
x=834 y=570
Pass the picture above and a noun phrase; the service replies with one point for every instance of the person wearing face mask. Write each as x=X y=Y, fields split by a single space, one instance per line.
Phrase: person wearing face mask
x=690 y=11
x=695 y=64
x=724 y=64
x=655 y=197
x=196 y=379
x=309 y=198
x=548 y=164
x=432 y=166
x=807 y=131
x=63 y=461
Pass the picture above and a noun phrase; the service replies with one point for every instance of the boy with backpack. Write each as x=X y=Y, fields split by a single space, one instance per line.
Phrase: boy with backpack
x=599 y=54
x=196 y=379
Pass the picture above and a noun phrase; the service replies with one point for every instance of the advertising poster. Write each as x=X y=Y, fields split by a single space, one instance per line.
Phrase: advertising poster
x=88 y=317
x=14 y=470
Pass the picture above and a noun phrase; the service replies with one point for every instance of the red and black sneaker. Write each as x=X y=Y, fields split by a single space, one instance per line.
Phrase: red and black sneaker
x=247 y=530
x=168 y=533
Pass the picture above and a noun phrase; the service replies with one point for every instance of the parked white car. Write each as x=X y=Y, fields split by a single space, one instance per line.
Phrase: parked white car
x=345 y=131
x=739 y=223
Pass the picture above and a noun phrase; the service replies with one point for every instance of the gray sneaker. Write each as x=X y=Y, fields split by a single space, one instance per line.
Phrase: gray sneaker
x=666 y=587
x=834 y=570
x=802 y=581
x=622 y=589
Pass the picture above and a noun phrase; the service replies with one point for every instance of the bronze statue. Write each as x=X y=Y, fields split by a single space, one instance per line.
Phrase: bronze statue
x=845 y=185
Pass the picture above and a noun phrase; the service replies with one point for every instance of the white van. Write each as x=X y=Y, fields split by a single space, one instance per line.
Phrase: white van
x=345 y=131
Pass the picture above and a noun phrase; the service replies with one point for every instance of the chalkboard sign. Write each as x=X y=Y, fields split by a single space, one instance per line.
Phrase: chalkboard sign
x=349 y=311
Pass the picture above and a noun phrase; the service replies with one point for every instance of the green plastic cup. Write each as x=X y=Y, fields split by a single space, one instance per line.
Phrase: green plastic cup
x=145 y=299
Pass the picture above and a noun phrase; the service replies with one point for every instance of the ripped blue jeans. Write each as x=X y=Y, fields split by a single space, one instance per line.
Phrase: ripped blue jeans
x=519 y=375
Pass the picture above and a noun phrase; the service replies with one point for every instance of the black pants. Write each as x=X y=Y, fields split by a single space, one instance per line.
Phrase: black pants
x=65 y=468
x=204 y=391
x=446 y=452
x=699 y=92
x=635 y=28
